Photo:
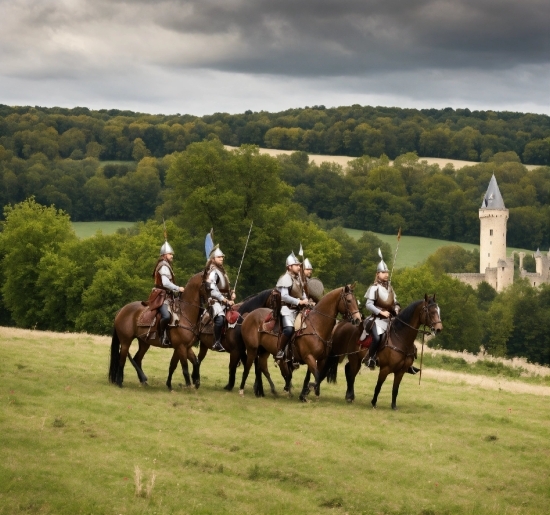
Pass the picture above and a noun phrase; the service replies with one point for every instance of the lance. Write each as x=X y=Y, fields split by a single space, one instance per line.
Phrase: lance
x=395 y=254
x=164 y=228
x=302 y=271
x=242 y=259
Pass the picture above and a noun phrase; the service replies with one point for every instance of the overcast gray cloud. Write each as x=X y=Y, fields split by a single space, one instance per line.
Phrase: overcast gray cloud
x=231 y=55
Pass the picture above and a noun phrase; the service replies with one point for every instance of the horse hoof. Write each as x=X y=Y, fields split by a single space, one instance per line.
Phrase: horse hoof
x=241 y=392
x=304 y=398
x=228 y=387
x=394 y=408
x=197 y=385
x=349 y=401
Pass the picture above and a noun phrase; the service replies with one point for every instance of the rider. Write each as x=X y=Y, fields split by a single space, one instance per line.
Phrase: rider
x=382 y=302
x=292 y=295
x=308 y=269
x=220 y=295
x=164 y=279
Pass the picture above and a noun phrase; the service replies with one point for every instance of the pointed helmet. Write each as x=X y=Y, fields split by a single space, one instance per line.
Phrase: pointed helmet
x=292 y=260
x=166 y=249
x=216 y=252
x=382 y=267
x=307 y=264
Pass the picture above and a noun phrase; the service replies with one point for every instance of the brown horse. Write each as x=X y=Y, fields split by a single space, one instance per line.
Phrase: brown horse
x=395 y=356
x=182 y=336
x=310 y=344
x=232 y=340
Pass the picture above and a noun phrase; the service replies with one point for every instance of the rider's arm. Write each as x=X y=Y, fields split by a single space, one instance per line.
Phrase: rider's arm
x=285 y=297
x=166 y=282
x=215 y=293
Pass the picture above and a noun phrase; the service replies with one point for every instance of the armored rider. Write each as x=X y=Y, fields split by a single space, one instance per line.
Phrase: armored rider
x=164 y=280
x=308 y=269
x=220 y=295
x=382 y=302
x=293 y=295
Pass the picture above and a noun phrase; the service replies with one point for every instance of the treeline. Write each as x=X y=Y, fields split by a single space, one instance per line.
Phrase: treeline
x=352 y=130
x=422 y=199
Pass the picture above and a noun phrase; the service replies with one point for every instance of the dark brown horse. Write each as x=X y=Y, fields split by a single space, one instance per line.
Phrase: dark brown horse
x=396 y=354
x=182 y=337
x=232 y=340
x=310 y=344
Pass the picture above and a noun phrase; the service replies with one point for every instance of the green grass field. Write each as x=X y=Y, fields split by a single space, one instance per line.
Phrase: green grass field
x=415 y=249
x=87 y=229
x=72 y=443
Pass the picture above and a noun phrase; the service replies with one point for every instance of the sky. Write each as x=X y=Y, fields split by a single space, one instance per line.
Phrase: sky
x=206 y=56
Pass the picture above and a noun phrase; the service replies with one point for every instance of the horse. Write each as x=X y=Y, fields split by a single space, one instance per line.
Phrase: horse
x=182 y=337
x=310 y=344
x=232 y=339
x=396 y=352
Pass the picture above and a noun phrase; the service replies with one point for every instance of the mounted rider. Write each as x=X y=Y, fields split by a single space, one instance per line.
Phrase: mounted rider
x=382 y=302
x=220 y=295
x=293 y=295
x=164 y=280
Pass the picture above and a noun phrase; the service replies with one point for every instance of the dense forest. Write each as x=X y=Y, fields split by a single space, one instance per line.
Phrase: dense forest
x=58 y=165
x=353 y=130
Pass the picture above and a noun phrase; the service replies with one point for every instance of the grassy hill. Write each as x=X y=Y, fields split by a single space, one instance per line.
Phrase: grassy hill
x=72 y=443
x=415 y=249
x=87 y=229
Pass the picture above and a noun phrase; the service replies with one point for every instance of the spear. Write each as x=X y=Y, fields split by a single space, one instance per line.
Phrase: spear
x=395 y=255
x=164 y=227
x=242 y=259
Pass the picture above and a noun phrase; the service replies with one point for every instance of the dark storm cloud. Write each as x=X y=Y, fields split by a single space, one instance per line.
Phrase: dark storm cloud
x=353 y=37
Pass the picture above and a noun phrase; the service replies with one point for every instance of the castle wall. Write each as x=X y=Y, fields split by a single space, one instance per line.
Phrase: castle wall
x=474 y=280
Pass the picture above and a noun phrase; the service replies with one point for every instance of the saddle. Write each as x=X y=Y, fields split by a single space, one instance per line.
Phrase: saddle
x=271 y=324
x=151 y=314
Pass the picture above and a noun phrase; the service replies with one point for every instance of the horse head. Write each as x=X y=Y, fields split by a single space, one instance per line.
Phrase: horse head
x=432 y=314
x=348 y=305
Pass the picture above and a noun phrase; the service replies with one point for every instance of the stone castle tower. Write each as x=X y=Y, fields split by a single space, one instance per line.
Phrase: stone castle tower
x=494 y=267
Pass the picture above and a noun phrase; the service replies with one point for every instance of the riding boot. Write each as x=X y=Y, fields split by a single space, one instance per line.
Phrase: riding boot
x=413 y=370
x=163 y=333
x=218 y=328
x=371 y=361
x=281 y=344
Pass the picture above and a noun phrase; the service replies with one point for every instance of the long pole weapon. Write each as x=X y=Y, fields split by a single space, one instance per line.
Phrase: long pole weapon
x=395 y=254
x=164 y=228
x=242 y=259
x=302 y=271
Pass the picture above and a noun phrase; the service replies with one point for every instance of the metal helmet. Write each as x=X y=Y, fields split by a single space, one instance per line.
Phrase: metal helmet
x=382 y=267
x=166 y=249
x=307 y=264
x=292 y=260
x=216 y=252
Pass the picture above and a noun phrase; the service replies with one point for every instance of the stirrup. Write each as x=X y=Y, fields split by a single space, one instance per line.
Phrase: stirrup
x=218 y=346
x=371 y=363
x=413 y=370
x=280 y=354
x=164 y=341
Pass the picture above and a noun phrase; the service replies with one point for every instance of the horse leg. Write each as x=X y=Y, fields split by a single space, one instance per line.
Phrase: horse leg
x=196 y=373
x=234 y=358
x=182 y=353
x=172 y=368
x=381 y=378
x=137 y=360
x=395 y=390
x=251 y=356
x=350 y=380
x=263 y=365
x=202 y=352
x=312 y=369
x=258 y=383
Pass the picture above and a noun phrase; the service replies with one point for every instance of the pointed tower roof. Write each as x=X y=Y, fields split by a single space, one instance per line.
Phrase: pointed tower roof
x=493 y=198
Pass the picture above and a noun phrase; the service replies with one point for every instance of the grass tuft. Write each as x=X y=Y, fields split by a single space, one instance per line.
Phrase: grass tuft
x=335 y=502
x=58 y=422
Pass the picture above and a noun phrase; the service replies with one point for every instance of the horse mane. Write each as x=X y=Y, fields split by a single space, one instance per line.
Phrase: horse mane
x=405 y=315
x=255 y=301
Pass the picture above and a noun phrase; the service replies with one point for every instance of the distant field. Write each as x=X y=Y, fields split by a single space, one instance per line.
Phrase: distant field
x=415 y=249
x=72 y=443
x=87 y=229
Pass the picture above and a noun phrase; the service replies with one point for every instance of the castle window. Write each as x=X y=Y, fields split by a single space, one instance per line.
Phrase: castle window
x=491 y=232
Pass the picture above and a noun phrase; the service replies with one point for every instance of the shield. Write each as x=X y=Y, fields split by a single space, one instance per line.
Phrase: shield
x=315 y=288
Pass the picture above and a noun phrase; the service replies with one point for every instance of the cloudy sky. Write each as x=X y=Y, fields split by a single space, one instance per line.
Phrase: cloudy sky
x=204 y=56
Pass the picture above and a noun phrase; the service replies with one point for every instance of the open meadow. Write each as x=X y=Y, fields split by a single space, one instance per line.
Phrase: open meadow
x=72 y=443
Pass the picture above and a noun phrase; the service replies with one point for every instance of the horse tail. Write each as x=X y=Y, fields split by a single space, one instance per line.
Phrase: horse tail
x=258 y=383
x=115 y=357
x=332 y=369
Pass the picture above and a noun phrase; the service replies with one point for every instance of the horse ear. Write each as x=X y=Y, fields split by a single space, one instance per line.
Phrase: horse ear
x=434 y=297
x=352 y=285
x=425 y=297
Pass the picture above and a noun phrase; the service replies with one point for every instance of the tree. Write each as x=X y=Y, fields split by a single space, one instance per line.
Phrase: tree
x=139 y=150
x=30 y=232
